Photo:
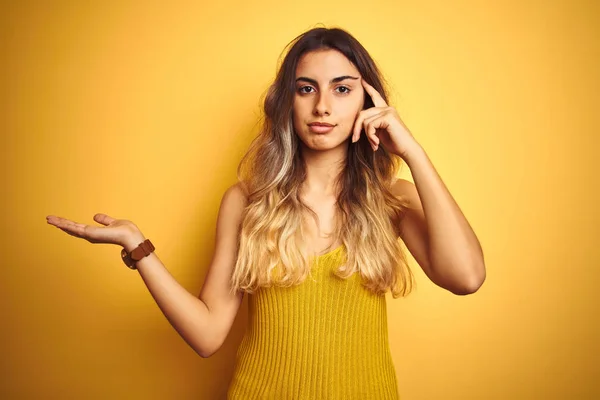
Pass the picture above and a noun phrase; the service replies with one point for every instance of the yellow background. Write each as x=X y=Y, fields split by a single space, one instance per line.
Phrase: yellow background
x=142 y=111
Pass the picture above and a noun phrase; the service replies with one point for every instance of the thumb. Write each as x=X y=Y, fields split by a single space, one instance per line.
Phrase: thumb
x=103 y=219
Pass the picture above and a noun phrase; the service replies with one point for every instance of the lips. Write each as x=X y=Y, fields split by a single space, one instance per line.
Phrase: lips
x=320 y=124
x=320 y=127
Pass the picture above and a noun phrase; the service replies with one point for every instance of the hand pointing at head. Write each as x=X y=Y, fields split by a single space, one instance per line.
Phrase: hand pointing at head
x=382 y=124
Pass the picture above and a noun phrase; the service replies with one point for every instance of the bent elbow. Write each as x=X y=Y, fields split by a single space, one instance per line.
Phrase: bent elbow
x=205 y=353
x=469 y=287
x=208 y=350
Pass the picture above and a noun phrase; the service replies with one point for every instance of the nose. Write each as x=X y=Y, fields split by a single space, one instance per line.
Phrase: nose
x=322 y=105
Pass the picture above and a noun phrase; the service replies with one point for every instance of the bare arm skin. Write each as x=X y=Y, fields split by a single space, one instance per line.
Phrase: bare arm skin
x=204 y=321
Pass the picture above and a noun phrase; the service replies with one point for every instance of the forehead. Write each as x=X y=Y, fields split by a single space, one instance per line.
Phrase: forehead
x=324 y=64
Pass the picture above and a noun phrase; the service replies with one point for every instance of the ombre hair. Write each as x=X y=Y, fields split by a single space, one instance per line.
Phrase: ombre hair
x=271 y=250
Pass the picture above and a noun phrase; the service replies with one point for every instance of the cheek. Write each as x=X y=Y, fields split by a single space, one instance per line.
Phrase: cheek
x=350 y=119
x=299 y=111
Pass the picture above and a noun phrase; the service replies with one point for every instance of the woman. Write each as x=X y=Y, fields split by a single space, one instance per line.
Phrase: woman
x=311 y=232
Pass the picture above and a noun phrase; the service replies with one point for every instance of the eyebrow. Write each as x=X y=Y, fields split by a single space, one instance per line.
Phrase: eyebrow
x=334 y=80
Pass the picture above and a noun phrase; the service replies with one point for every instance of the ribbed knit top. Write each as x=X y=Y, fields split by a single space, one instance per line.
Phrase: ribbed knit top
x=322 y=339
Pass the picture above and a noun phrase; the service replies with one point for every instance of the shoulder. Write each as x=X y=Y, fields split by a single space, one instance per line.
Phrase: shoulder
x=236 y=196
x=238 y=189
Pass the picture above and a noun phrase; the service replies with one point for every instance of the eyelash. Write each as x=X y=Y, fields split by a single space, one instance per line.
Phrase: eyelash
x=348 y=90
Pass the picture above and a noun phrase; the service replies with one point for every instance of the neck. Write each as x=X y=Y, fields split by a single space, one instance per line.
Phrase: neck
x=323 y=168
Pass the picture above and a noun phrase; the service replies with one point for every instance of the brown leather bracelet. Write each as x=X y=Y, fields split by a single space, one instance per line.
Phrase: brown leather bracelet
x=144 y=249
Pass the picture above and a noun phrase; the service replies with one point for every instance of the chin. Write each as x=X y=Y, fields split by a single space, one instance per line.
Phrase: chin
x=324 y=143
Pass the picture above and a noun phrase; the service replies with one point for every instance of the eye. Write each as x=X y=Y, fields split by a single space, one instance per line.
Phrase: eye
x=348 y=90
x=304 y=87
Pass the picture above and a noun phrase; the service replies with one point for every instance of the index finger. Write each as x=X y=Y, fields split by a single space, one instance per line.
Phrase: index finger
x=378 y=101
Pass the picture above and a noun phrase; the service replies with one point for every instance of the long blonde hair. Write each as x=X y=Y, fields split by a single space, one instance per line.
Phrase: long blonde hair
x=271 y=250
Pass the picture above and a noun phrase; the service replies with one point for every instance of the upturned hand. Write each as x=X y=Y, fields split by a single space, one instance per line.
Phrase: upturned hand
x=115 y=231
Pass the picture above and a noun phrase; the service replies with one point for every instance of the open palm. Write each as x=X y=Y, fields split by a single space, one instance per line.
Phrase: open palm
x=115 y=231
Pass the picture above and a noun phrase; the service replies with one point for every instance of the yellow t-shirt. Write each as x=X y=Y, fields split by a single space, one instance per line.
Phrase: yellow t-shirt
x=317 y=341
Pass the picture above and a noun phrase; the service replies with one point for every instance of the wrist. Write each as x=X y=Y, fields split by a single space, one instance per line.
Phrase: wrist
x=415 y=153
x=132 y=241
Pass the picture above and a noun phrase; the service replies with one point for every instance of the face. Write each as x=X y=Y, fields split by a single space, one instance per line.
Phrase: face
x=328 y=90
